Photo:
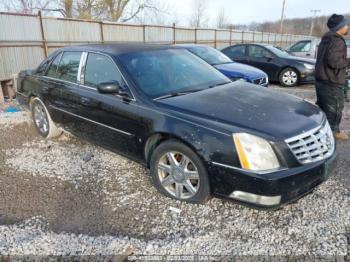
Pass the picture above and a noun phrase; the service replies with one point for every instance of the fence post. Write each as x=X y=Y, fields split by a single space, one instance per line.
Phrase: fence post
x=215 y=45
x=195 y=36
x=262 y=37
x=242 y=40
x=230 y=37
x=253 y=36
x=43 y=34
x=144 y=33
x=101 y=32
x=274 y=42
x=174 y=33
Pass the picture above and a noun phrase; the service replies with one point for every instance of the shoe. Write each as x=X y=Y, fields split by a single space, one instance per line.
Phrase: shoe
x=341 y=136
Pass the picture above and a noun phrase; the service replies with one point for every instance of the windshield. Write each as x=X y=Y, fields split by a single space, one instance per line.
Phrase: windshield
x=161 y=72
x=210 y=55
x=278 y=52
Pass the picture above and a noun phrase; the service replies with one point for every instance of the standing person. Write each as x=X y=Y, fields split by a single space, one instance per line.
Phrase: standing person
x=330 y=72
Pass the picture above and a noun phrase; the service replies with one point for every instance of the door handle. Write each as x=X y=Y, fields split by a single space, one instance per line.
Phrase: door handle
x=45 y=89
x=308 y=54
x=85 y=101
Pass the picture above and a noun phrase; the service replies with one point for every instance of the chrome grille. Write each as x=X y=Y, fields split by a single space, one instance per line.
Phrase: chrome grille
x=314 y=145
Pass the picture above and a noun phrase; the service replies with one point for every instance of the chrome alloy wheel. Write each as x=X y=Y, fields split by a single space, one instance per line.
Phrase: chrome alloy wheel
x=40 y=118
x=178 y=175
x=289 y=78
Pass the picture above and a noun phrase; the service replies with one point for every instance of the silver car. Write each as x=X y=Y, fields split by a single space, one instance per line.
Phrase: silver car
x=308 y=48
x=305 y=48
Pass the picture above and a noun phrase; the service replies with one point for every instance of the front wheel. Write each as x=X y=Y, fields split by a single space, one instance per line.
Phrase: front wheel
x=289 y=77
x=179 y=173
x=42 y=119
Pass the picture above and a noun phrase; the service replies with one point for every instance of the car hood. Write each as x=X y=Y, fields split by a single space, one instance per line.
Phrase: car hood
x=240 y=70
x=302 y=59
x=236 y=108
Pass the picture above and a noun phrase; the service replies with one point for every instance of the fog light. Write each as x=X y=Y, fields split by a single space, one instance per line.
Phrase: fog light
x=256 y=199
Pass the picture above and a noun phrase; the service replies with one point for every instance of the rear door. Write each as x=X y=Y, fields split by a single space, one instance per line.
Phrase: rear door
x=110 y=120
x=51 y=87
x=65 y=76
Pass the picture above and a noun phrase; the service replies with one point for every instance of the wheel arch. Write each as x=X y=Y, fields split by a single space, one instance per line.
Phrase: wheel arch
x=157 y=138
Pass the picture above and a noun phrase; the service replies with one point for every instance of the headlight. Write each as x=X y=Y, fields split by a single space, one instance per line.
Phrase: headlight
x=267 y=80
x=309 y=66
x=255 y=153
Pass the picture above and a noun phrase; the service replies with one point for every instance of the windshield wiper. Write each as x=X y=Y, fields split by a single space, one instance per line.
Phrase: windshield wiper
x=220 y=84
x=177 y=94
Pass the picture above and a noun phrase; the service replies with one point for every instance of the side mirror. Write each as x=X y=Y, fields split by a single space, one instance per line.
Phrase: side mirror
x=108 y=88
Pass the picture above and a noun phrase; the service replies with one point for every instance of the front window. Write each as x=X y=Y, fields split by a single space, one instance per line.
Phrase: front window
x=162 y=72
x=210 y=55
x=278 y=52
x=304 y=46
x=100 y=69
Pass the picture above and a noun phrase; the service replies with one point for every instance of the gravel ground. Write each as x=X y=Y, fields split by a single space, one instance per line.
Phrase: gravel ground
x=68 y=197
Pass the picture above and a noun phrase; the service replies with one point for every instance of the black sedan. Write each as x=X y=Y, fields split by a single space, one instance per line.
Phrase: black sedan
x=279 y=65
x=199 y=133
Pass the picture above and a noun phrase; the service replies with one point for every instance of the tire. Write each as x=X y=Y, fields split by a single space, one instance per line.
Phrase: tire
x=289 y=77
x=173 y=180
x=42 y=119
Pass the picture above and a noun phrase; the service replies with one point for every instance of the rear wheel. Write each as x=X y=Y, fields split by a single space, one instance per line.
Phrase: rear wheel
x=42 y=119
x=289 y=77
x=178 y=172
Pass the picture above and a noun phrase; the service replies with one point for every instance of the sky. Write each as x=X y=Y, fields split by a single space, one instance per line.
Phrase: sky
x=246 y=11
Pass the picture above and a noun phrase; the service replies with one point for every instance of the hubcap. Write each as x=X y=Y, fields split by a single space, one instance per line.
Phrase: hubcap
x=289 y=78
x=40 y=118
x=178 y=175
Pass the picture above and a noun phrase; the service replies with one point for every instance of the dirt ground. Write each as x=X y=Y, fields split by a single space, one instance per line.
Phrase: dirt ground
x=77 y=188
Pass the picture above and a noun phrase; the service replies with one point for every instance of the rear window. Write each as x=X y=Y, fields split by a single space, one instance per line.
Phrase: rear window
x=52 y=72
x=69 y=66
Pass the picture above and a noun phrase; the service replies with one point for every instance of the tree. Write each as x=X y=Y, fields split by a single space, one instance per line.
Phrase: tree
x=126 y=10
x=199 y=18
x=68 y=8
x=87 y=9
x=27 y=6
x=222 y=19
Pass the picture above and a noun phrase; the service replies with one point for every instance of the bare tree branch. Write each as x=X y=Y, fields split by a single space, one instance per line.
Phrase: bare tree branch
x=199 y=18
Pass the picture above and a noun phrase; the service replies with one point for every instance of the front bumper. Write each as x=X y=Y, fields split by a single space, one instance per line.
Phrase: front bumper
x=269 y=190
x=307 y=76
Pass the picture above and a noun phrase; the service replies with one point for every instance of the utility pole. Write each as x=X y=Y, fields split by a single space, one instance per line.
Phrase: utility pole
x=315 y=11
x=282 y=17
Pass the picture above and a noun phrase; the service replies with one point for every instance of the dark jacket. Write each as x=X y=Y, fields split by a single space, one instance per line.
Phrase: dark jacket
x=331 y=61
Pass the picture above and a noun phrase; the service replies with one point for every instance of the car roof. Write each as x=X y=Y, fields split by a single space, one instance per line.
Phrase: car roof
x=117 y=48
